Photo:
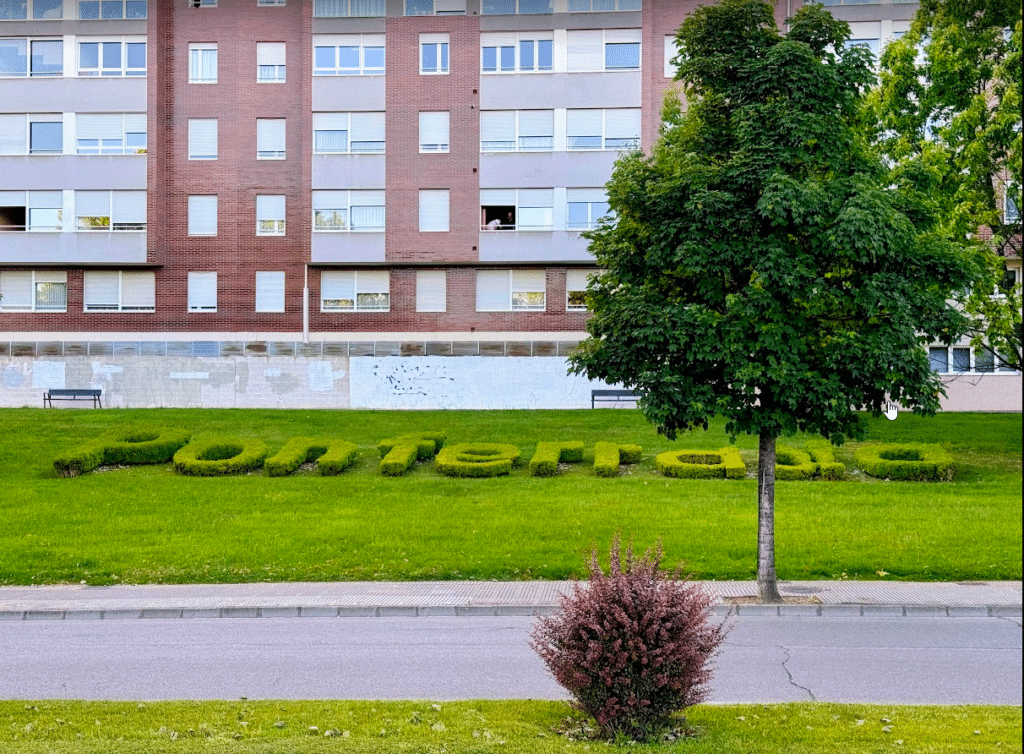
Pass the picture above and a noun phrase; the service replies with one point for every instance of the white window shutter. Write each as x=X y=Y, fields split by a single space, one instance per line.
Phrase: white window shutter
x=337 y=285
x=47 y=199
x=202 y=215
x=449 y=6
x=202 y=291
x=536 y=122
x=497 y=39
x=270 y=291
x=367 y=127
x=202 y=138
x=330 y=200
x=583 y=122
x=100 y=126
x=101 y=291
x=135 y=123
x=492 y=291
x=622 y=35
x=434 y=130
x=92 y=203
x=16 y=290
x=270 y=135
x=586 y=50
x=529 y=281
x=270 y=53
x=576 y=280
x=433 y=210
x=585 y=195
x=138 y=291
x=536 y=198
x=13 y=134
x=498 y=125
x=622 y=123
x=330 y=121
x=431 y=291
x=373 y=281
x=129 y=207
x=497 y=197
x=270 y=207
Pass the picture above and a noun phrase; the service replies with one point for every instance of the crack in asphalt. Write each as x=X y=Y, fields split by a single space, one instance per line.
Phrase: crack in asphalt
x=1014 y=621
x=790 y=675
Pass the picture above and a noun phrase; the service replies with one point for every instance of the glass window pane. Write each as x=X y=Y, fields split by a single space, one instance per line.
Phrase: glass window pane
x=51 y=297
x=135 y=9
x=112 y=9
x=89 y=55
x=374 y=59
x=961 y=359
x=579 y=6
x=578 y=215
x=136 y=55
x=535 y=6
x=46 y=138
x=498 y=7
x=544 y=47
x=938 y=358
x=984 y=360
x=444 y=56
x=48 y=58
x=325 y=57
x=429 y=57
x=622 y=55
x=526 y=55
x=12 y=10
x=508 y=58
x=13 y=57
x=330 y=141
x=604 y=5
x=419 y=7
x=89 y=10
x=348 y=57
x=48 y=9
x=490 y=58
x=112 y=55
x=44 y=219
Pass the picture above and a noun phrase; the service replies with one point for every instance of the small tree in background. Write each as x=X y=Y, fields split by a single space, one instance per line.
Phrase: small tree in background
x=632 y=646
x=763 y=265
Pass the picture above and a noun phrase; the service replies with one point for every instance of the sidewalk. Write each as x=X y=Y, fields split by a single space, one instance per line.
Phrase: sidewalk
x=479 y=598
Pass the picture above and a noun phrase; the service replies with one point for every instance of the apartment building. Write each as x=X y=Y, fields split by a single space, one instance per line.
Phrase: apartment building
x=321 y=178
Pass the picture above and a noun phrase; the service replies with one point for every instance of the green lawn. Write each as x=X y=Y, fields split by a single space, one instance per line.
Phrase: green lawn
x=509 y=727
x=147 y=524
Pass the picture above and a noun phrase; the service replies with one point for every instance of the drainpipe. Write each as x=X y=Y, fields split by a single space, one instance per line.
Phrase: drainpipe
x=305 y=305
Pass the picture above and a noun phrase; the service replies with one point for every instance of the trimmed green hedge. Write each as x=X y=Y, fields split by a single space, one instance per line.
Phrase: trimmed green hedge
x=126 y=448
x=793 y=465
x=217 y=456
x=823 y=453
x=332 y=456
x=398 y=454
x=608 y=456
x=687 y=464
x=549 y=454
x=906 y=463
x=477 y=459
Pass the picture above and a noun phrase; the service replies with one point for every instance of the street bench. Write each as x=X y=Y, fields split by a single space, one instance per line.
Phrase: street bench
x=612 y=396
x=72 y=394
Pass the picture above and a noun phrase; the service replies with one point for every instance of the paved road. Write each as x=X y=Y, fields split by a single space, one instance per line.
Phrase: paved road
x=767 y=659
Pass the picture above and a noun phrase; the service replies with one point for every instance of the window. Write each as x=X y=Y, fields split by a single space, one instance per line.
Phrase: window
x=434 y=53
x=202 y=138
x=270 y=291
x=110 y=210
x=270 y=2
x=270 y=62
x=984 y=360
x=112 y=58
x=938 y=358
x=348 y=55
x=39 y=211
x=13 y=133
x=435 y=7
x=90 y=10
x=517 y=209
x=119 y=291
x=602 y=129
x=604 y=50
x=202 y=63
x=433 y=210
x=203 y=3
x=202 y=291
x=42 y=10
x=434 y=127
x=1011 y=214
x=526 y=52
x=344 y=133
x=202 y=215
x=36 y=57
x=517 y=130
x=671 y=50
x=270 y=138
x=431 y=291
x=270 y=215
x=342 y=211
x=33 y=291
x=576 y=290
x=111 y=133
x=355 y=291
x=586 y=6
x=45 y=134
x=510 y=7
x=348 y=8
x=510 y=290
x=584 y=207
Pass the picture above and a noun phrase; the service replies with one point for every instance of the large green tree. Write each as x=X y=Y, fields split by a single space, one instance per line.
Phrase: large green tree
x=949 y=102
x=760 y=266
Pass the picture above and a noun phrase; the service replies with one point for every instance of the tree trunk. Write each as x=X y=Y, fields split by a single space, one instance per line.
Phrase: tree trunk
x=767 y=588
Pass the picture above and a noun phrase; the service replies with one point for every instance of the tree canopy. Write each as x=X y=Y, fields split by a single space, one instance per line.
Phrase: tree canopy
x=761 y=265
x=949 y=103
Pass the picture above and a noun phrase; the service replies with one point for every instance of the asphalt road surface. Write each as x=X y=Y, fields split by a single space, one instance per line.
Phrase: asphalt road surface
x=766 y=659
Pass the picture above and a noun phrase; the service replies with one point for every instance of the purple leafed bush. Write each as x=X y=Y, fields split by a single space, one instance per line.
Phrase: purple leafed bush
x=634 y=646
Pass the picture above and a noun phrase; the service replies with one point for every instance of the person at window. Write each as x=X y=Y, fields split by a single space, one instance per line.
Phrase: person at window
x=510 y=223
x=494 y=224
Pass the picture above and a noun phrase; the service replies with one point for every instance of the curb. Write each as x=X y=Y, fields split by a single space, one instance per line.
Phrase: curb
x=452 y=611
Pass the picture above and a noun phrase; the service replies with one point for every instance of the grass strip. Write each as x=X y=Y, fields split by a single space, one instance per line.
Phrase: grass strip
x=511 y=727
x=146 y=524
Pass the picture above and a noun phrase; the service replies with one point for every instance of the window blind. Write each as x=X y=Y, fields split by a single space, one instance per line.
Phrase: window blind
x=536 y=122
x=585 y=195
x=270 y=207
x=270 y=136
x=498 y=130
x=622 y=123
x=92 y=203
x=16 y=290
x=585 y=50
x=434 y=210
x=576 y=280
x=270 y=53
x=13 y=134
x=101 y=126
x=129 y=207
x=270 y=291
x=583 y=123
x=202 y=291
x=202 y=215
x=434 y=130
x=101 y=291
x=492 y=291
x=528 y=281
x=497 y=197
x=431 y=291
x=138 y=291
x=338 y=288
x=202 y=138
x=621 y=35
